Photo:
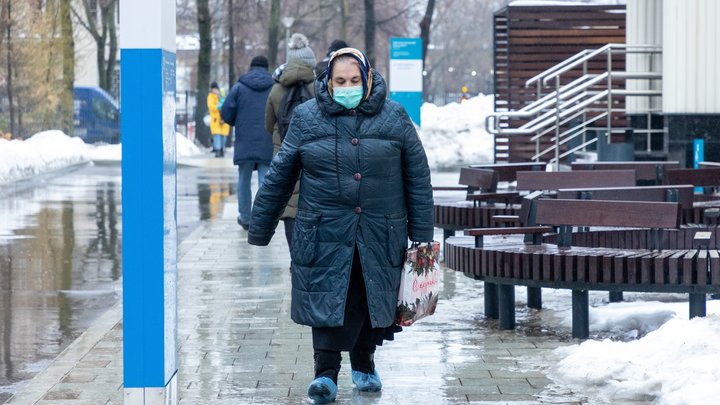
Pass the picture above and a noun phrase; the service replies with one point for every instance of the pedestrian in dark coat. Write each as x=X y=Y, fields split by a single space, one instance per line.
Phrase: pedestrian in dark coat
x=244 y=108
x=322 y=66
x=364 y=189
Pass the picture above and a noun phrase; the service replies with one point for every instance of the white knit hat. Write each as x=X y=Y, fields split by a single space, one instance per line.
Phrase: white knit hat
x=298 y=48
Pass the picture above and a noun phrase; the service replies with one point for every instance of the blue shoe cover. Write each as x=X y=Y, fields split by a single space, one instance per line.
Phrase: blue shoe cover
x=322 y=390
x=366 y=382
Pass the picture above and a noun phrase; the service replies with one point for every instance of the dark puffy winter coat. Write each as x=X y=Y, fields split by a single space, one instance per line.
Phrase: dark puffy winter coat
x=365 y=181
x=244 y=108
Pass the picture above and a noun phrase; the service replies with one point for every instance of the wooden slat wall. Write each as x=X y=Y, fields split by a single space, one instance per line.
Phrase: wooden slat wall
x=531 y=39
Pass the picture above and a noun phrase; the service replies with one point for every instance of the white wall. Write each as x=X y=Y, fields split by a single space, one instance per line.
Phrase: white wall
x=691 y=57
x=644 y=27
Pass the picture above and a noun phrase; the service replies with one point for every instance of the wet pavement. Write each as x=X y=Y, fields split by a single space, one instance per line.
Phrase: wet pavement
x=60 y=256
x=237 y=344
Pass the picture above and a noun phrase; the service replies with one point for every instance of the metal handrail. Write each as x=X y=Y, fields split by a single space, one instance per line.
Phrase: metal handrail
x=572 y=100
x=635 y=49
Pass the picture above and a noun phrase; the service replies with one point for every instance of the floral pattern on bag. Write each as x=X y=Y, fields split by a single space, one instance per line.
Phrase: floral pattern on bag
x=419 y=284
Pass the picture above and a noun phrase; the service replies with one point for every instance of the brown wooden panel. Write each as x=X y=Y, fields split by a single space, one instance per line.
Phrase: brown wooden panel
x=648 y=193
x=607 y=213
x=714 y=267
x=557 y=180
x=706 y=177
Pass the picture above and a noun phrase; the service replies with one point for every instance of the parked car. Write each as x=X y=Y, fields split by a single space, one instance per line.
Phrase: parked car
x=96 y=115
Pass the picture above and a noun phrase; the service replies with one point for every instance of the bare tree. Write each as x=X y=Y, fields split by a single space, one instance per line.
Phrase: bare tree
x=273 y=32
x=231 y=42
x=9 y=61
x=204 y=21
x=370 y=31
x=103 y=30
x=68 y=67
x=425 y=27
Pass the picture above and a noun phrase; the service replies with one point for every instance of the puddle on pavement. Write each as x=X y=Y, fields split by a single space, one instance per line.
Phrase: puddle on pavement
x=60 y=258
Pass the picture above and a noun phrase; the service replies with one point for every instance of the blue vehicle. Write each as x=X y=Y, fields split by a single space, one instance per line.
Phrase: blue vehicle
x=96 y=115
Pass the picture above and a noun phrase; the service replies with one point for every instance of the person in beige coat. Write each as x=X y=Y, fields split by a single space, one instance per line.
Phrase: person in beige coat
x=299 y=68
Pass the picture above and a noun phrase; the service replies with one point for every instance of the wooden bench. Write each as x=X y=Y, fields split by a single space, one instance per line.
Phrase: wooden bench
x=508 y=171
x=480 y=204
x=646 y=172
x=556 y=180
x=632 y=258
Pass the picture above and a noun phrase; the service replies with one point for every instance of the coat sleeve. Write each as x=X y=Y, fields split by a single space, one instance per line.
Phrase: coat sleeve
x=229 y=107
x=277 y=187
x=416 y=181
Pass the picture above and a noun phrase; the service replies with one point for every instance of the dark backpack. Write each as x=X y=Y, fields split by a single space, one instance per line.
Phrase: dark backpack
x=296 y=95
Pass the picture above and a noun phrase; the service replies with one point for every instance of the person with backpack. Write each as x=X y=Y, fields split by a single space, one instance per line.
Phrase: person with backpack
x=243 y=108
x=294 y=85
x=364 y=190
x=322 y=66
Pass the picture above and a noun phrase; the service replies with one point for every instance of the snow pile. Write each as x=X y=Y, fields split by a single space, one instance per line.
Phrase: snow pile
x=43 y=152
x=454 y=135
x=52 y=150
x=676 y=364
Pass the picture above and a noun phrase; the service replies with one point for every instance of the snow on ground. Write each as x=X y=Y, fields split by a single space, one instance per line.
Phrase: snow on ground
x=52 y=150
x=656 y=353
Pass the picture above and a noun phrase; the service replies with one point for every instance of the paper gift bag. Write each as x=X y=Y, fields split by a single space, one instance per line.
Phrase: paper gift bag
x=419 y=284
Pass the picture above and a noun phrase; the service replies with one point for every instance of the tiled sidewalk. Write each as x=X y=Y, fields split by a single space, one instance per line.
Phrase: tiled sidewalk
x=237 y=344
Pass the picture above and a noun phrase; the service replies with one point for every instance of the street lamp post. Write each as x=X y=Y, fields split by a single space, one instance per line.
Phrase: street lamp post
x=287 y=22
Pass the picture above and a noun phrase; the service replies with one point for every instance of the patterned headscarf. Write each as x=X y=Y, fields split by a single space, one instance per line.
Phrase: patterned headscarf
x=363 y=64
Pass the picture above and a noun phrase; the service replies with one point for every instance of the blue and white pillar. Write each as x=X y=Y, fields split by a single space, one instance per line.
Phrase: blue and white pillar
x=406 y=79
x=149 y=223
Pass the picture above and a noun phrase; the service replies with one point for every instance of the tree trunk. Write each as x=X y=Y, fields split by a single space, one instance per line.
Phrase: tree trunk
x=109 y=21
x=425 y=38
x=425 y=28
x=344 y=19
x=370 y=31
x=231 y=44
x=68 y=67
x=273 y=31
x=202 y=131
x=9 y=53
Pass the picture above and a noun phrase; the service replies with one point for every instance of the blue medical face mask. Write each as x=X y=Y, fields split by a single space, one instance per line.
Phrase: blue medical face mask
x=348 y=97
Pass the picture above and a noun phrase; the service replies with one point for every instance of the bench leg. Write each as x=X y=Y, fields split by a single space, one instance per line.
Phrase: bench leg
x=491 y=300
x=506 y=301
x=580 y=314
x=616 y=296
x=534 y=297
x=697 y=305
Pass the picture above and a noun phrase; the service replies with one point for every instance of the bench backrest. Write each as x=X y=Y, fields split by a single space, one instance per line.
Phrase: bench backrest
x=478 y=179
x=706 y=177
x=631 y=214
x=682 y=194
x=508 y=171
x=587 y=178
x=644 y=171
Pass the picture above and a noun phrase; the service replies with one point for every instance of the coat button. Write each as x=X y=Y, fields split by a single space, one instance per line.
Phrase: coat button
x=357 y=176
x=352 y=112
x=355 y=141
x=358 y=210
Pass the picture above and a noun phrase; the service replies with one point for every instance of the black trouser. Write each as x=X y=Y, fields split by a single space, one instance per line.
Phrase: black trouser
x=356 y=335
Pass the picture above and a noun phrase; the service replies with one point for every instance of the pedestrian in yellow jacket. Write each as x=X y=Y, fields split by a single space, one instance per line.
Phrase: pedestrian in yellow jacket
x=218 y=128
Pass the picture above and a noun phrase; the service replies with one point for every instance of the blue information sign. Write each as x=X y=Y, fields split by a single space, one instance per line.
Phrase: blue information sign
x=406 y=79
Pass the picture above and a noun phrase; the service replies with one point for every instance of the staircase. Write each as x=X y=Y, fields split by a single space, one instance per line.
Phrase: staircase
x=575 y=110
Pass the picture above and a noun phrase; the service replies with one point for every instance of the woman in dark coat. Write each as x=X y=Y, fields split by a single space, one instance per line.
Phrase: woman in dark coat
x=364 y=189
